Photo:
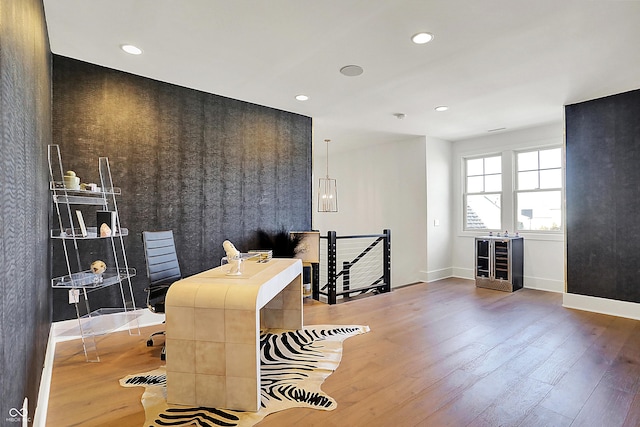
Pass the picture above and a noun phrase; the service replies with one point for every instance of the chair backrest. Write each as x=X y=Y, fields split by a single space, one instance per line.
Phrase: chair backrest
x=161 y=257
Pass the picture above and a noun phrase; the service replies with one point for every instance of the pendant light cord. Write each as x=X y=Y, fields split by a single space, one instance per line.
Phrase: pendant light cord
x=327 y=144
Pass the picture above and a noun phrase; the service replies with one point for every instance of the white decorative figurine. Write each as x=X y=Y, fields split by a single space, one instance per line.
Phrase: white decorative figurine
x=105 y=230
x=97 y=268
x=233 y=257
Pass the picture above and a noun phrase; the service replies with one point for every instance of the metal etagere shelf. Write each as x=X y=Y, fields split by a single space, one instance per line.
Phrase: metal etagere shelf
x=71 y=233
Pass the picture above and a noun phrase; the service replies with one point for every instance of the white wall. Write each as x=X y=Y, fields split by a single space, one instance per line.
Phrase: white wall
x=381 y=186
x=439 y=218
x=543 y=254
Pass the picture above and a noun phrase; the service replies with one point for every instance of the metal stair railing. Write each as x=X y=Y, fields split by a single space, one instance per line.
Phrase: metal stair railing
x=365 y=261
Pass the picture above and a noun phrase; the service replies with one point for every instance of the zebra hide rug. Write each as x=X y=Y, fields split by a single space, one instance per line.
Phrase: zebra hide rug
x=293 y=365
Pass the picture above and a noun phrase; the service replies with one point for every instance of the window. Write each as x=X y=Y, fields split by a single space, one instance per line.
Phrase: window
x=539 y=190
x=483 y=193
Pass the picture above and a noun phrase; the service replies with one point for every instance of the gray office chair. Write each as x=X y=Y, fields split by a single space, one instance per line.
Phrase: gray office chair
x=162 y=270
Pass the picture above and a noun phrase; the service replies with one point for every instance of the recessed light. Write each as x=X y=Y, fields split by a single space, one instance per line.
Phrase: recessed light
x=351 y=70
x=302 y=97
x=422 y=38
x=131 y=49
x=441 y=108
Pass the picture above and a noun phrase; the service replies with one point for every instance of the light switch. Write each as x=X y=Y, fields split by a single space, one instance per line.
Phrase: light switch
x=436 y=223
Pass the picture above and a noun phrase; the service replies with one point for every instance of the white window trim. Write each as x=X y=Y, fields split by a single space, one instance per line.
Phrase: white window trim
x=515 y=153
x=465 y=194
x=508 y=193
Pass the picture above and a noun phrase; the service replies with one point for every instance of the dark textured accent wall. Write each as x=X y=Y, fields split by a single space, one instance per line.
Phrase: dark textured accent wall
x=25 y=131
x=603 y=197
x=208 y=167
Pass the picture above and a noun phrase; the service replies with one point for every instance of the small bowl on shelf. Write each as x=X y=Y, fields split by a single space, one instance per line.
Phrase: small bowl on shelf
x=71 y=181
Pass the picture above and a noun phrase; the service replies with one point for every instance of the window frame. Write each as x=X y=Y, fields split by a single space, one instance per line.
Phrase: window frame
x=465 y=193
x=561 y=189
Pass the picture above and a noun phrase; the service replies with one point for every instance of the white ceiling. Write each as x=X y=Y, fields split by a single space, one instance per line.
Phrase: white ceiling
x=496 y=63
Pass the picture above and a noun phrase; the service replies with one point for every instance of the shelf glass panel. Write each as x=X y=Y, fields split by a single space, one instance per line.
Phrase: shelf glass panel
x=79 y=200
x=59 y=187
x=92 y=233
x=482 y=273
x=86 y=279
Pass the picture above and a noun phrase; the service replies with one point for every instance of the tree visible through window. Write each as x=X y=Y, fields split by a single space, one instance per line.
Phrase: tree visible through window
x=483 y=193
x=539 y=190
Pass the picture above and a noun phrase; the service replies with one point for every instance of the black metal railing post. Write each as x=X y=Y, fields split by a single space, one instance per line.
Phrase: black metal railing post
x=331 y=266
x=315 y=281
x=387 y=261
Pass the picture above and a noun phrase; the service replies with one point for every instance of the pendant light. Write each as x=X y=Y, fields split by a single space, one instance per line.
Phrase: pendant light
x=327 y=190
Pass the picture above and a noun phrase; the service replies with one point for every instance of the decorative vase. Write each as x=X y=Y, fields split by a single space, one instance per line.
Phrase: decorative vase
x=71 y=181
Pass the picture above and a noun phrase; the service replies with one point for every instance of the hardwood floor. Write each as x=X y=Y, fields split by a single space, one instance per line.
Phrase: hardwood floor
x=438 y=354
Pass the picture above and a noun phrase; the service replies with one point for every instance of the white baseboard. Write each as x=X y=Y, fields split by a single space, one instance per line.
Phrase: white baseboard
x=40 y=416
x=464 y=273
x=580 y=302
x=541 y=284
x=58 y=333
x=433 y=275
x=404 y=285
x=611 y=307
x=66 y=330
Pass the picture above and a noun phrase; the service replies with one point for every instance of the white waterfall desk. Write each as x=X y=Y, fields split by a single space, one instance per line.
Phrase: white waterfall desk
x=213 y=326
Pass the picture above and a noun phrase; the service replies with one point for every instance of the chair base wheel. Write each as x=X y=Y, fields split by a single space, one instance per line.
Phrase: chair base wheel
x=149 y=343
